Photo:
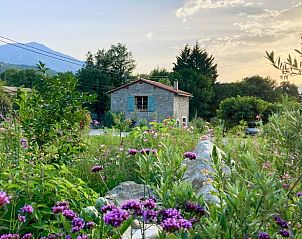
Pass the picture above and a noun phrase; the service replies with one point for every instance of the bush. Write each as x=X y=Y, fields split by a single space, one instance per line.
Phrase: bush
x=233 y=110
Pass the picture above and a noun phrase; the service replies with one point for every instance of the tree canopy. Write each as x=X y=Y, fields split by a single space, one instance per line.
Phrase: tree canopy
x=196 y=72
x=103 y=71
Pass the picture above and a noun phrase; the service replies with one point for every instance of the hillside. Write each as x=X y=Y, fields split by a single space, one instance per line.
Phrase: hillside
x=11 y=54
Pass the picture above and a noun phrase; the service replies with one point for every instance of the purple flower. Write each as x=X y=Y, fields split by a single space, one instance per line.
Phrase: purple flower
x=150 y=203
x=170 y=224
x=171 y=213
x=77 y=224
x=195 y=208
x=95 y=122
x=24 y=143
x=54 y=236
x=299 y=194
x=96 y=168
x=27 y=236
x=280 y=222
x=132 y=151
x=145 y=151
x=149 y=215
x=190 y=155
x=68 y=237
x=9 y=236
x=133 y=205
x=107 y=208
x=27 y=208
x=185 y=224
x=82 y=236
x=60 y=207
x=4 y=199
x=21 y=218
x=70 y=214
x=90 y=225
x=284 y=233
x=263 y=235
x=116 y=217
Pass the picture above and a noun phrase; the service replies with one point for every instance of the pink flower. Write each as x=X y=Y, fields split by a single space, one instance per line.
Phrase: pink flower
x=4 y=199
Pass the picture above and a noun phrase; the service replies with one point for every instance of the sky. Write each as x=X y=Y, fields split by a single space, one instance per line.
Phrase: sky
x=236 y=32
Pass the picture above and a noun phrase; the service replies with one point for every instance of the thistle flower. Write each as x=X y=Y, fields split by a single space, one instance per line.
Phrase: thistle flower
x=4 y=199
x=27 y=208
x=96 y=168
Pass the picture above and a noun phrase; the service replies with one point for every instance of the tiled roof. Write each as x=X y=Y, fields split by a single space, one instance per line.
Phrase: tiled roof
x=154 y=83
x=13 y=90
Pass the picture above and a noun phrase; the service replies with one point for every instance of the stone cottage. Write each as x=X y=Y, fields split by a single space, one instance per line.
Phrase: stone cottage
x=151 y=101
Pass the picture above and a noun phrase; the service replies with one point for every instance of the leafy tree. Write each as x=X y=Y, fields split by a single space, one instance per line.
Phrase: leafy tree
x=103 y=71
x=161 y=75
x=196 y=72
x=52 y=116
x=263 y=88
x=21 y=78
x=288 y=89
x=233 y=110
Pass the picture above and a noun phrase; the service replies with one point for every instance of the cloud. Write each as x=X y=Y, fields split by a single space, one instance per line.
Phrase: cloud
x=192 y=7
x=149 y=35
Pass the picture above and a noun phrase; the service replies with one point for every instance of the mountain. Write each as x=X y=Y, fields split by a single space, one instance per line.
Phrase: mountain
x=11 y=54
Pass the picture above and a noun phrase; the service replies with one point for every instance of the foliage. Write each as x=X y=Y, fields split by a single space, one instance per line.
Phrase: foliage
x=292 y=67
x=235 y=109
x=103 y=71
x=27 y=78
x=52 y=117
x=6 y=104
x=196 y=72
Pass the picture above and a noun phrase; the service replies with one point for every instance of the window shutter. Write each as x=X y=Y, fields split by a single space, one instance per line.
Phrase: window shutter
x=151 y=103
x=131 y=103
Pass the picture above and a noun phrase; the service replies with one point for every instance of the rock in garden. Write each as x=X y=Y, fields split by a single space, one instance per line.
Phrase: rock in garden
x=126 y=191
x=199 y=170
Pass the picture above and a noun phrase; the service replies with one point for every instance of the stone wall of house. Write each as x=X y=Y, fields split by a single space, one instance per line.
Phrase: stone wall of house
x=181 y=109
x=164 y=102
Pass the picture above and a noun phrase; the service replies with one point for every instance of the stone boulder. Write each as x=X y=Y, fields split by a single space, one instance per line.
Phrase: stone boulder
x=199 y=170
x=126 y=191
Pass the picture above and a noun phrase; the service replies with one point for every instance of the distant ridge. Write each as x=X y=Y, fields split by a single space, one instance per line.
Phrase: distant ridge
x=6 y=66
x=11 y=54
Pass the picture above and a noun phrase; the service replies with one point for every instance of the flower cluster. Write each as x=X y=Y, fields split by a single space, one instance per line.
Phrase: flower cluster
x=299 y=194
x=132 y=205
x=263 y=235
x=16 y=236
x=283 y=224
x=4 y=199
x=173 y=221
x=60 y=207
x=116 y=217
x=194 y=208
x=77 y=224
x=24 y=143
x=27 y=209
x=96 y=168
x=53 y=236
x=69 y=214
x=142 y=151
x=190 y=155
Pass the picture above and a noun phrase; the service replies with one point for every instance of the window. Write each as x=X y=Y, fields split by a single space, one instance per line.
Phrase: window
x=141 y=103
x=184 y=122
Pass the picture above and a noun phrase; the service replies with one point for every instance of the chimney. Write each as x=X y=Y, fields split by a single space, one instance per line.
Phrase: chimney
x=175 y=85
